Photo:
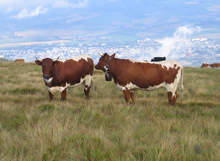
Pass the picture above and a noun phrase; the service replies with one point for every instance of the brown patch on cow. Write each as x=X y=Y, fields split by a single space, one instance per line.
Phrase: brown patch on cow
x=19 y=60
x=215 y=65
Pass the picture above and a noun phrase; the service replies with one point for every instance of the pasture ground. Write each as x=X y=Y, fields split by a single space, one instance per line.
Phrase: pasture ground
x=105 y=128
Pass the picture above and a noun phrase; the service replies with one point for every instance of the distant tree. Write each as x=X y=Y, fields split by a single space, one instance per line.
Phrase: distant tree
x=5 y=60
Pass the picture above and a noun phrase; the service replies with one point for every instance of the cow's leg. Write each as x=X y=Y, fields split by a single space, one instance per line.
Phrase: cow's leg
x=176 y=94
x=63 y=95
x=87 y=85
x=133 y=97
x=50 y=96
x=171 y=98
x=127 y=95
x=86 y=90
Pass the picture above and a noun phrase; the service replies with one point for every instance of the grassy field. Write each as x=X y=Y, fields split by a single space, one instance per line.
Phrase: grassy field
x=105 y=128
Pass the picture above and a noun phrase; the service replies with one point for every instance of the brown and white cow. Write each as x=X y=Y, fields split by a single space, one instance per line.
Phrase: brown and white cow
x=215 y=65
x=60 y=74
x=204 y=65
x=130 y=75
x=19 y=60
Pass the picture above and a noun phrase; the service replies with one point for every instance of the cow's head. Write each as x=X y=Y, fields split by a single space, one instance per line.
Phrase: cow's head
x=47 y=68
x=103 y=61
x=205 y=65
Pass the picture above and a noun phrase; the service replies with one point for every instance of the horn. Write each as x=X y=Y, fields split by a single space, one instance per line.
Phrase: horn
x=100 y=54
x=56 y=59
x=37 y=58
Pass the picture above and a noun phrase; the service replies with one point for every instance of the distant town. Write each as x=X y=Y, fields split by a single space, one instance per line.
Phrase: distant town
x=190 y=52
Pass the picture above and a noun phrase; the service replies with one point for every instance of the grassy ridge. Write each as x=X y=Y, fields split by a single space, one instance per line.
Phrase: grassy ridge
x=105 y=128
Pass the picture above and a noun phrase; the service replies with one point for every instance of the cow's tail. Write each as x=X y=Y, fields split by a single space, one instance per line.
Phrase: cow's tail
x=182 y=86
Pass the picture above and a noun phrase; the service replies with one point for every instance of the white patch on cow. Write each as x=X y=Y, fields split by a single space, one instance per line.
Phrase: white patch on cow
x=105 y=68
x=168 y=64
x=136 y=61
x=86 y=81
x=76 y=58
x=152 y=88
x=47 y=81
x=56 y=89
x=129 y=86
x=132 y=86
x=63 y=60
x=173 y=86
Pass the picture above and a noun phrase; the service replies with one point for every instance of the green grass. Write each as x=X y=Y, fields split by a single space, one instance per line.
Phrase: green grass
x=105 y=128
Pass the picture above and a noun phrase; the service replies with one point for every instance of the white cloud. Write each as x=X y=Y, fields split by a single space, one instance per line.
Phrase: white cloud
x=25 y=13
x=80 y=4
x=214 y=8
x=4 y=37
x=21 y=4
x=183 y=31
x=38 y=10
x=9 y=10
x=66 y=4
x=74 y=18
x=61 y=4
x=191 y=2
x=51 y=32
x=178 y=40
x=7 y=6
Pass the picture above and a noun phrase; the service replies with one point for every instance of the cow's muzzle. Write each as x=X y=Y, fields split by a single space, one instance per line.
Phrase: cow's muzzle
x=46 y=76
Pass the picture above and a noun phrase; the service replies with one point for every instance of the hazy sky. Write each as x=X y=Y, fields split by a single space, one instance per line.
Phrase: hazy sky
x=47 y=20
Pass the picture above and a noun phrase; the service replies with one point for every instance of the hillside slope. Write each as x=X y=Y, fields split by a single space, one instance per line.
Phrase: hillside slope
x=105 y=128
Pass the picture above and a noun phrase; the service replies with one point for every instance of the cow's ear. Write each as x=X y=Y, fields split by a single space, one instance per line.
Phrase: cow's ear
x=105 y=57
x=38 y=62
x=113 y=55
x=55 y=63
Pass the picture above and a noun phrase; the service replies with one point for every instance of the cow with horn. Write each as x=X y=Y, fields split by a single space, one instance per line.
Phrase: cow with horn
x=130 y=75
x=61 y=74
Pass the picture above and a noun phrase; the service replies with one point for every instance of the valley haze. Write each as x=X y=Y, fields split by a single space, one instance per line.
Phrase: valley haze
x=190 y=52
